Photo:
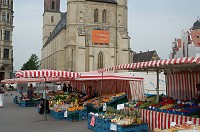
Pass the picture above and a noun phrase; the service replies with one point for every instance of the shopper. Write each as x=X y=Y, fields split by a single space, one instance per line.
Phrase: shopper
x=30 y=92
x=1 y=96
x=64 y=87
x=69 y=88
x=197 y=96
x=59 y=88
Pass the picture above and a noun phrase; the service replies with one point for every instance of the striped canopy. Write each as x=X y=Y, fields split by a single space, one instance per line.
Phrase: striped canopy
x=46 y=73
x=25 y=80
x=153 y=64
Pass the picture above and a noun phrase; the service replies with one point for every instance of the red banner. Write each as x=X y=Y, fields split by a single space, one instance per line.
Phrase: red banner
x=100 y=37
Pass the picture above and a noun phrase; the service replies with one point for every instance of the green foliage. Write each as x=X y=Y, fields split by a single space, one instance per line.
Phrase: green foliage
x=32 y=64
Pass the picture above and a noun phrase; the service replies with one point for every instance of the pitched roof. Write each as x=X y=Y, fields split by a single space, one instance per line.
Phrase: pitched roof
x=61 y=24
x=144 y=56
x=104 y=1
x=196 y=25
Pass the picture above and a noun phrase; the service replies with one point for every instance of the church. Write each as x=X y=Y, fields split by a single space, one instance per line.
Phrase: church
x=90 y=35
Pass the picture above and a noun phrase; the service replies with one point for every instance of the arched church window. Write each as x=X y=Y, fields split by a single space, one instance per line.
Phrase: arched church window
x=4 y=16
x=104 y=16
x=100 y=60
x=52 y=19
x=119 y=19
x=96 y=15
x=53 y=5
x=81 y=16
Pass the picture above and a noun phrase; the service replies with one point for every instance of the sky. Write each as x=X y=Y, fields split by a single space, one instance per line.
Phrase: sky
x=152 y=25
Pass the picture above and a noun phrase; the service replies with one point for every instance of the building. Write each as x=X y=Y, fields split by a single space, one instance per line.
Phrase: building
x=145 y=56
x=6 y=30
x=189 y=43
x=92 y=34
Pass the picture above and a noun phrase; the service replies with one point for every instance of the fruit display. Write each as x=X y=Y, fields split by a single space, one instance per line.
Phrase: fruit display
x=107 y=98
x=185 y=127
x=167 y=105
x=122 y=117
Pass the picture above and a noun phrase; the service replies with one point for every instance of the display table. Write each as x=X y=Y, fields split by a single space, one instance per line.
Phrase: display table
x=163 y=120
x=25 y=103
x=104 y=125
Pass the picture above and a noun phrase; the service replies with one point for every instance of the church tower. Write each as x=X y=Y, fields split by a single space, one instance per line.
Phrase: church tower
x=51 y=17
x=123 y=40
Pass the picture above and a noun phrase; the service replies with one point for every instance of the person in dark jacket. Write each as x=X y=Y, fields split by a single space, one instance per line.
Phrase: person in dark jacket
x=64 y=87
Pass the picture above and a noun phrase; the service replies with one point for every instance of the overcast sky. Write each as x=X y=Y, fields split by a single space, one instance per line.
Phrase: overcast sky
x=152 y=25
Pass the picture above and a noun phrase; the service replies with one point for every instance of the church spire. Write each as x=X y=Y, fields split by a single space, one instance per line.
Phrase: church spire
x=51 y=5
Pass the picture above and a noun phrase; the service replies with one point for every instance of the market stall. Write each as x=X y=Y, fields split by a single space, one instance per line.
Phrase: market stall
x=110 y=83
x=182 y=75
x=43 y=75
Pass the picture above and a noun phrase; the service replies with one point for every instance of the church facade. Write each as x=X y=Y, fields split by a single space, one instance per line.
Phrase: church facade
x=92 y=34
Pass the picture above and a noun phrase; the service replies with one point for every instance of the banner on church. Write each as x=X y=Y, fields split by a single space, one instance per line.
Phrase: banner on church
x=100 y=37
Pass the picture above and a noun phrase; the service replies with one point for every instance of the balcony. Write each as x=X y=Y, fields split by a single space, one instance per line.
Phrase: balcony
x=6 y=61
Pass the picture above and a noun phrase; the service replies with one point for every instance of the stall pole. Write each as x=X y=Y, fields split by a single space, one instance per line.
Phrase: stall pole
x=45 y=99
x=157 y=89
x=101 y=85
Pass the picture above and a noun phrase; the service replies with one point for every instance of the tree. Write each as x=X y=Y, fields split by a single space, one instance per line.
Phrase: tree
x=32 y=64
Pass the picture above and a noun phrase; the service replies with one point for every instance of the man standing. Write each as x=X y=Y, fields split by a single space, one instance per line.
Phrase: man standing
x=197 y=97
x=1 y=96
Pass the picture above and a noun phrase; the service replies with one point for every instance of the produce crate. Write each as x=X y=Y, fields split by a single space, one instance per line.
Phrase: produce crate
x=89 y=120
x=52 y=112
x=71 y=116
x=58 y=115
x=133 y=128
x=106 y=124
x=82 y=115
x=25 y=103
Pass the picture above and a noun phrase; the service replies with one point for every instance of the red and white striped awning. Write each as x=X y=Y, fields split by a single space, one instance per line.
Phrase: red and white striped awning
x=153 y=64
x=26 y=80
x=46 y=73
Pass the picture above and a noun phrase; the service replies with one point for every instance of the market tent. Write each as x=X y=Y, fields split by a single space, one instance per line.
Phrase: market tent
x=182 y=74
x=46 y=73
x=26 y=80
x=162 y=64
x=110 y=83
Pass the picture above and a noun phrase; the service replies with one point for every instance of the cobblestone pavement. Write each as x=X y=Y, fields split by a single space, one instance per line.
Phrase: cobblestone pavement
x=26 y=119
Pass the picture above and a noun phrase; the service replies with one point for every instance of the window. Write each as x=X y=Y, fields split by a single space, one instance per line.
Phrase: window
x=198 y=36
x=4 y=2
x=4 y=16
x=0 y=52
x=53 y=5
x=12 y=4
x=120 y=17
x=100 y=60
x=6 y=54
x=81 y=16
x=96 y=13
x=8 y=2
x=104 y=16
x=7 y=35
x=52 y=19
x=8 y=17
